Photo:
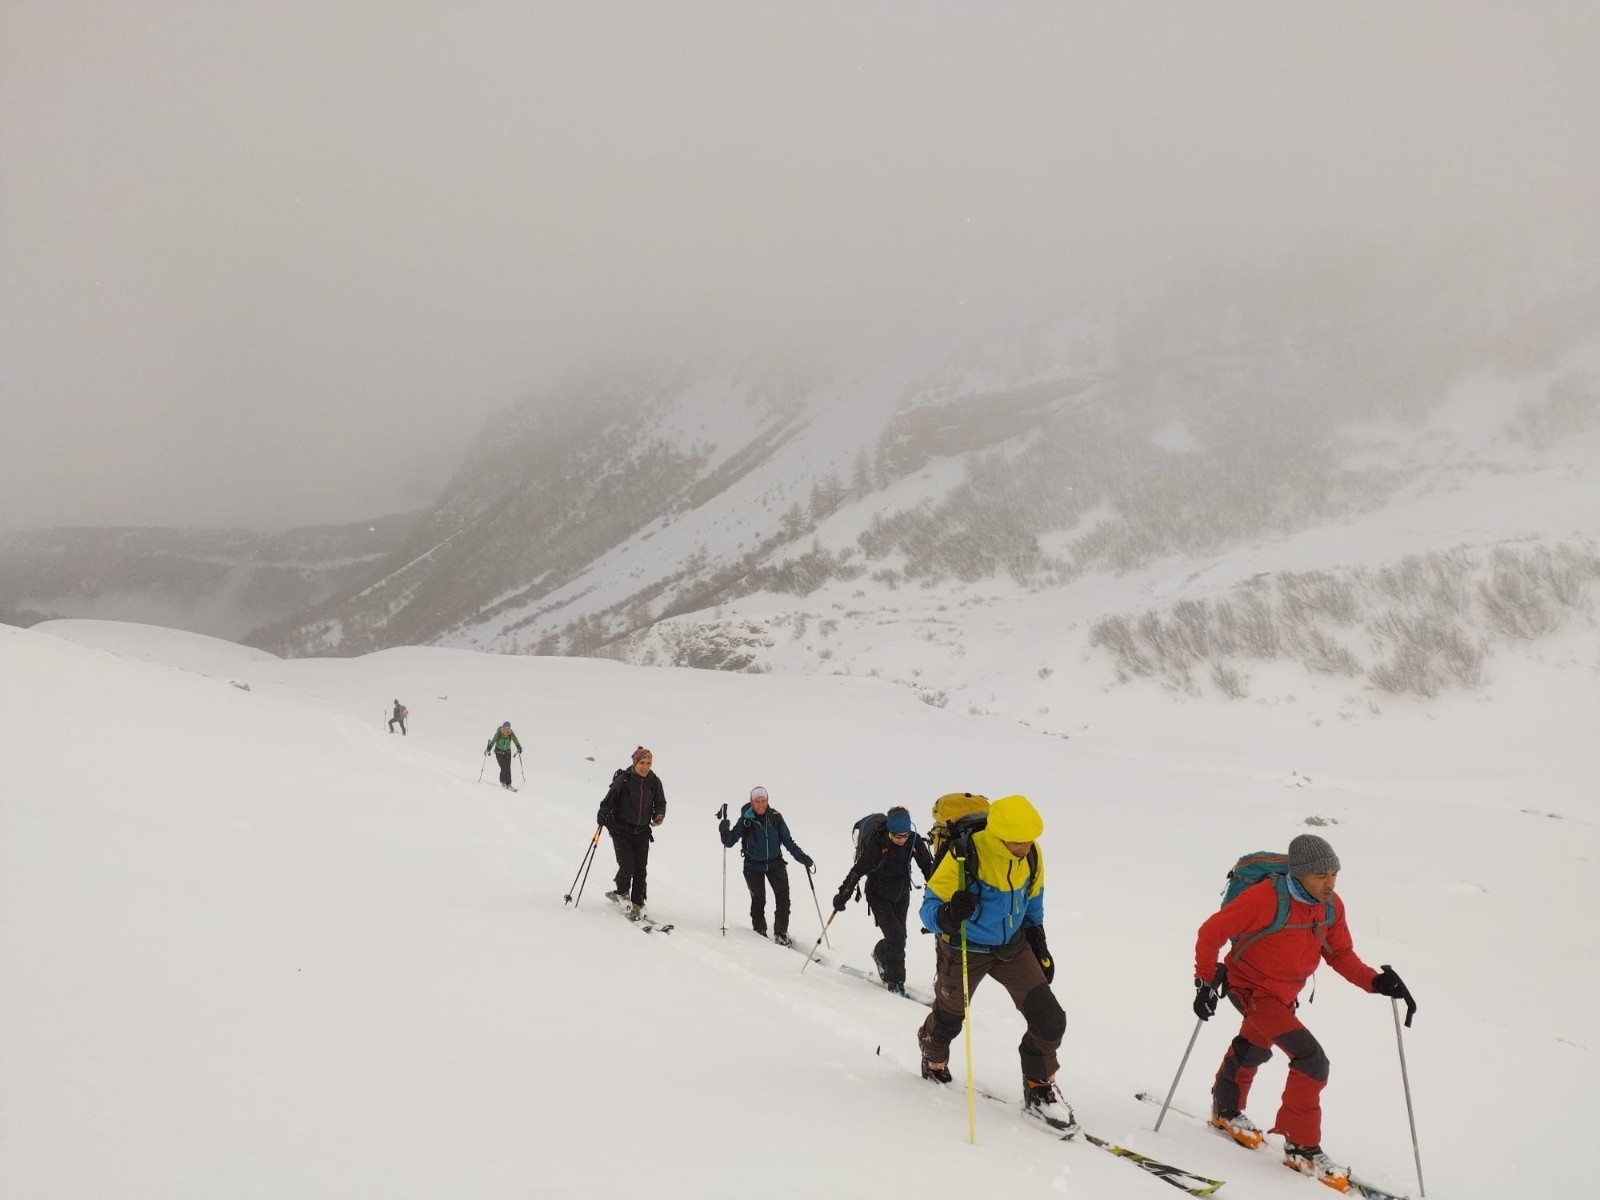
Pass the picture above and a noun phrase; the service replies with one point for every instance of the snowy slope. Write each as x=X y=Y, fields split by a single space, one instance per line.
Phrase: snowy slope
x=257 y=946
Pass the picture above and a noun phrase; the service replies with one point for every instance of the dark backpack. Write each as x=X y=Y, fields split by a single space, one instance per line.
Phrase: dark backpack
x=865 y=831
x=1250 y=870
x=602 y=816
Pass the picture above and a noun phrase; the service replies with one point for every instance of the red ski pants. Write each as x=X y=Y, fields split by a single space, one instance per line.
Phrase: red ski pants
x=1269 y=1022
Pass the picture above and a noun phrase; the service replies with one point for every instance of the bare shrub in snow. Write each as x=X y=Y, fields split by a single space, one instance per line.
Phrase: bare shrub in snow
x=1427 y=619
x=1229 y=681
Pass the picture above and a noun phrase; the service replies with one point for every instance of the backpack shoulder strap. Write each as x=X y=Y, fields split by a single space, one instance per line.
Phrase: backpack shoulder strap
x=1280 y=918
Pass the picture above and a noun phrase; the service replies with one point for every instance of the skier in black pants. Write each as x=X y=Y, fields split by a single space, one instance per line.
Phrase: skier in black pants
x=501 y=741
x=883 y=857
x=401 y=712
x=635 y=803
x=765 y=833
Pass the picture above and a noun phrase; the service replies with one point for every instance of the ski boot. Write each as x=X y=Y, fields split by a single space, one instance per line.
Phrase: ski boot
x=1043 y=1101
x=938 y=1074
x=1310 y=1160
x=1239 y=1127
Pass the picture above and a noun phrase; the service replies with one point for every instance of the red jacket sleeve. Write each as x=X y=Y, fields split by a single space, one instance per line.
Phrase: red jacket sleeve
x=1251 y=909
x=1340 y=953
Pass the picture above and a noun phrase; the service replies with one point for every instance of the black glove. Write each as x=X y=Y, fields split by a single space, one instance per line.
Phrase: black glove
x=602 y=816
x=1041 y=951
x=1387 y=983
x=722 y=826
x=842 y=899
x=956 y=910
x=1207 y=993
x=805 y=861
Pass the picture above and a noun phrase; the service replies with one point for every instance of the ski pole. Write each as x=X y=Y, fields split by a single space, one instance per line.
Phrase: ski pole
x=817 y=904
x=482 y=762
x=521 y=770
x=1405 y=1079
x=808 y=961
x=722 y=815
x=1189 y=1050
x=585 y=882
x=583 y=870
x=966 y=1018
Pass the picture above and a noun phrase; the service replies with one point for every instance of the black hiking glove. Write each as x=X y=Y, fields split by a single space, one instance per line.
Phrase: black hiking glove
x=842 y=899
x=1206 y=994
x=805 y=861
x=1041 y=951
x=1387 y=983
x=956 y=910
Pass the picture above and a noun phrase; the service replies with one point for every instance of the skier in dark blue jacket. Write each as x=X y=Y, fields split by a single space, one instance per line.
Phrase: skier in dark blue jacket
x=765 y=833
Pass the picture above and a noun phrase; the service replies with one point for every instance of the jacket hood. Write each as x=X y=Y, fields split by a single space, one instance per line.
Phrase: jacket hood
x=1015 y=819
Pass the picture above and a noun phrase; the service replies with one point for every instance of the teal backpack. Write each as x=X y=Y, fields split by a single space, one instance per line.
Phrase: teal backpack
x=1250 y=870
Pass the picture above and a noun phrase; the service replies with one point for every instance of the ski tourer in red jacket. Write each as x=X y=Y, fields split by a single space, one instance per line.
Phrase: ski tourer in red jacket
x=1262 y=976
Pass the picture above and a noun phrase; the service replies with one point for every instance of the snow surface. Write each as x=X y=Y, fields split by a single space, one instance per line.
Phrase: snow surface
x=254 y=945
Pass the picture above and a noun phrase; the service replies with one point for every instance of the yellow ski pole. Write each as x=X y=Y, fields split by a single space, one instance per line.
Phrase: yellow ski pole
x=966 y=1018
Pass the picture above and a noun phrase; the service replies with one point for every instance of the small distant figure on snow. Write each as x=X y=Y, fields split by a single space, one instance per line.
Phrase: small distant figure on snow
x=401 y=712
x=501 y=741
x=764 y=833
x=635 y=802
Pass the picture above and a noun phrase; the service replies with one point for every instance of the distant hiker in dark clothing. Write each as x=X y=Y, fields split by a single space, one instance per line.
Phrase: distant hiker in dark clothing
x=635 y=803
x=501 y=741
x=765 y=833
x=884 y=855
x=401 y=712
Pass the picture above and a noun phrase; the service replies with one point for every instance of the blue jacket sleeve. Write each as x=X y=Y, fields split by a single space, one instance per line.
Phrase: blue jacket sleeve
x=1035 y=913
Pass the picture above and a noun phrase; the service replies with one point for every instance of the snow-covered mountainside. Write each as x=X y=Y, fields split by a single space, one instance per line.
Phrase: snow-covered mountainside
x=1376 y=471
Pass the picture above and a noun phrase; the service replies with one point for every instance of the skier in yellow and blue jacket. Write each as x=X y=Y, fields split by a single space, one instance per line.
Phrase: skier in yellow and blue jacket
x=992 y=889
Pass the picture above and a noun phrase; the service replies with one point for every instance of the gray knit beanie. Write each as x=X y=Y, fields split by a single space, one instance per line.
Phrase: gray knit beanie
x=1311 y=855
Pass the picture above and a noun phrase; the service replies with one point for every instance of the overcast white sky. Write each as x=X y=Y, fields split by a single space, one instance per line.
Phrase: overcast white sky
x=271 y=264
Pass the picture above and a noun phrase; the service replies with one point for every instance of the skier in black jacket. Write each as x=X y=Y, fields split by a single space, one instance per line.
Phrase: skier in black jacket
x=883 y=857
x=765 y=833
x=635 y=803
